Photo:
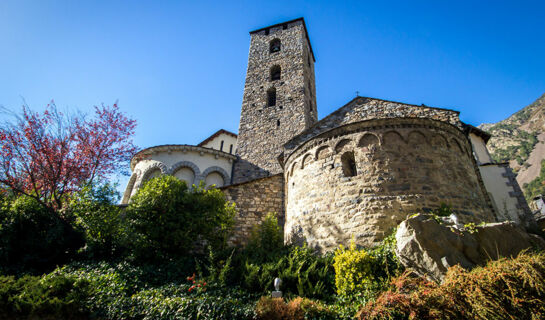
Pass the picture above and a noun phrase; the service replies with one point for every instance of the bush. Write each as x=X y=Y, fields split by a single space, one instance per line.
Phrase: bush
x=364 y=272
x=302 y=272
x=503 y=289
x=125 y=291
x=353 y=270
x=33 y=238
x=297 y=309
x=51 y=297
x=96 y=213
x=266 y=240
x=166 y=219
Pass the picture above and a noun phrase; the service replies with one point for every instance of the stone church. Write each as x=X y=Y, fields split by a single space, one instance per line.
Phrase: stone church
x=355 y=174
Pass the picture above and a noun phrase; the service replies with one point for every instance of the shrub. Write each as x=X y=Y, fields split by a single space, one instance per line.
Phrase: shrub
x=100 y=219
x=302 y=272
x=166 y=219
x=364 y=272
x=33 y=238
x=503 y=289
x=266 y=240
x=51 y=297
x=125 y=291
x=353 y=270
x=297 y=309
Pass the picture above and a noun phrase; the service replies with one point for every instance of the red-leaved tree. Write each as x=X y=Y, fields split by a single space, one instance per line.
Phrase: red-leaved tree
x=50 y=155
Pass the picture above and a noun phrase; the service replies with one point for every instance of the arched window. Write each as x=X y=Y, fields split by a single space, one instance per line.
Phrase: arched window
x=271 y=97
x=231 y=149
x=349 y=164
x=274 y=45
x=275 y=73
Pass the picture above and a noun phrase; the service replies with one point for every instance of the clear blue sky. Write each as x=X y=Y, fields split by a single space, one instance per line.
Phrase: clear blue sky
x=178 y=67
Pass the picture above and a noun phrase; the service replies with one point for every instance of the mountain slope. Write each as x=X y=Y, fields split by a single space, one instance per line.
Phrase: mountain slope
x=520 y=140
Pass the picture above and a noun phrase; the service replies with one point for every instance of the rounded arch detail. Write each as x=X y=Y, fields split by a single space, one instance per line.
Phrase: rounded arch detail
x=391 y=138
x=185 y=164
x=322 y=152
x=130 y=188
x=306 y=160
x=368 y=140
x=293 y=168
x=340 y=146
x=152 y=167
x=416 y=137
x=219 y=170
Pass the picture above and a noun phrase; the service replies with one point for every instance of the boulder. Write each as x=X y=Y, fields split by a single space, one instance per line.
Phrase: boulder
x=430 y=248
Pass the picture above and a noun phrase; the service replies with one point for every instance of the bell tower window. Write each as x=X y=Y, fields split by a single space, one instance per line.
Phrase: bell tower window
x=271 y=97
x=274 y=46
x=275 y=73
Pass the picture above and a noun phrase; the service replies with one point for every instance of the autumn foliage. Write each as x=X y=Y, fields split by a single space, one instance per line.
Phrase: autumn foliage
x=503 y=289
x=49 y=155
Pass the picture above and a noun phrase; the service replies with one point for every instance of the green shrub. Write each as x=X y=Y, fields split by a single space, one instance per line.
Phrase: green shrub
x=361 y=274
x=51 y=297
x=33 y=238
x=353 y=270
x=96 y=213
x=266 y=240
x=166 y=219
x=303 y=273
x=503 y=289
x=444 y=210
x=126 y=291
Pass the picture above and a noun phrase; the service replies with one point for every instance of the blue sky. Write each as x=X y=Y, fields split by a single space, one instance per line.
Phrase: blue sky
x=178 y=67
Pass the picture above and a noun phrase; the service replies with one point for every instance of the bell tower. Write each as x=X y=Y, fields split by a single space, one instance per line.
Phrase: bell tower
x=279 y=99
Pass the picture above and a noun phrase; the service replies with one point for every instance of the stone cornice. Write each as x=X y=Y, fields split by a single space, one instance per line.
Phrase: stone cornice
x=177 y=147
x=355 y=127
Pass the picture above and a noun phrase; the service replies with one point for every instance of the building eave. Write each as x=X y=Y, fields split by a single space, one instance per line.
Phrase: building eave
x=177 y=147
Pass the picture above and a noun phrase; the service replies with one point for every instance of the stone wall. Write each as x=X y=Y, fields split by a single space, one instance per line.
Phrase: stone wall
x=360 y=109
x=254 y=200
x=264 y=129
x=401 y=167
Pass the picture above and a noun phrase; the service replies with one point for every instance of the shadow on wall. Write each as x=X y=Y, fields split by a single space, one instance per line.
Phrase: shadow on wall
x=244 y=170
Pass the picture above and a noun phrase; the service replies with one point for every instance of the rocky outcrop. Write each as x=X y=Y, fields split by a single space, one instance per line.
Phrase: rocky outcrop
x=430 y=248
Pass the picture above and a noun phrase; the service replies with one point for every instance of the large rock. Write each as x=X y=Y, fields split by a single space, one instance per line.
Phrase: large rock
x=430 y=248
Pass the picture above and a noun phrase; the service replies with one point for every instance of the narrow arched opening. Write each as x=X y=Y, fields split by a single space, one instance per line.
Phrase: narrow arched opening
x=275 y=46
x=276 y=72
x=271 y=97
x=348 y=162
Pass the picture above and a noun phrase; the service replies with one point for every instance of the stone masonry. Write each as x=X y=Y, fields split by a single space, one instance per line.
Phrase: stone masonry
x=401 y=166
x=264 y=128
x=254 y=200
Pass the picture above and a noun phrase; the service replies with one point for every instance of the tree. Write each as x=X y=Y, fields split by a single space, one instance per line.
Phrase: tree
x=166 y=219
x=51 y=155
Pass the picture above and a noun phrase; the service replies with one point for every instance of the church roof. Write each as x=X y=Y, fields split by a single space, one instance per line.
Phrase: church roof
x=337 y=117
x=212 y=137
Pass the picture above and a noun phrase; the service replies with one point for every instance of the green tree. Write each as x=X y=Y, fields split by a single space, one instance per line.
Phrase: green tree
x=33 y=238
x=167 y=219
x=98 y=216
